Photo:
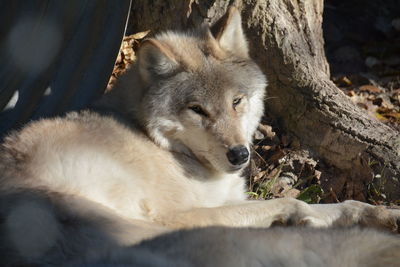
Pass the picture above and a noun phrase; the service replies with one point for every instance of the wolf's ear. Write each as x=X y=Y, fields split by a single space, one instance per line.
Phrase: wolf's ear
x=155 y=59
x=228 y=32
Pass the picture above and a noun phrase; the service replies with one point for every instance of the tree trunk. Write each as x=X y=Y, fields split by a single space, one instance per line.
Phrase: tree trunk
x=286 y=40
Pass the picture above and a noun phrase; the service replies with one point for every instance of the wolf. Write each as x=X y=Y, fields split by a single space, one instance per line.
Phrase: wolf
x=163 y=151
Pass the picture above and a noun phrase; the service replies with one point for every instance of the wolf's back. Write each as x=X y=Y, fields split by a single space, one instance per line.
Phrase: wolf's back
x=285 y=247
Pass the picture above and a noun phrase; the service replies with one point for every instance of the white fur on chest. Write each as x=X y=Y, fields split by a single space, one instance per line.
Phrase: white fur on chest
x=218 y=191
x=137 y=187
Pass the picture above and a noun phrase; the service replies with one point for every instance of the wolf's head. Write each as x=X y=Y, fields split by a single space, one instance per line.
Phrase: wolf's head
x=201 y=93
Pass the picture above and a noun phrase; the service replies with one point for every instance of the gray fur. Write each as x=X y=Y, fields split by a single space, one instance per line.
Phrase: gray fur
x=293 y=247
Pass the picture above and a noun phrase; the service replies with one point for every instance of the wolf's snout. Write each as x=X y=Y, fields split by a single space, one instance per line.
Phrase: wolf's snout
x=238 y=155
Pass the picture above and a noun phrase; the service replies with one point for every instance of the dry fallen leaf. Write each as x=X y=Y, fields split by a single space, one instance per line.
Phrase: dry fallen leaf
x=370 y=89
x=343 y=81
x=259 y=175
x=266 y=130
x=140 y=35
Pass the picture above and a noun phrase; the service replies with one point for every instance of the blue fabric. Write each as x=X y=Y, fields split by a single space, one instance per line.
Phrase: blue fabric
x=56 y=56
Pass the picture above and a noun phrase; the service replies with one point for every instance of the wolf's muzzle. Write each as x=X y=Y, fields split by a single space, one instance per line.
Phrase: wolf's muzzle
x=238 y=155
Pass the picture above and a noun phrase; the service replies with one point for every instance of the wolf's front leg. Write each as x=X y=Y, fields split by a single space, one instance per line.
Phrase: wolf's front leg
x=353 y=212
x=247 y=213
x=286 y=211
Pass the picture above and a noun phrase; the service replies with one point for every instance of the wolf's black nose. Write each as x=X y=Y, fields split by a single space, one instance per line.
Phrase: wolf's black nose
x=238 y=155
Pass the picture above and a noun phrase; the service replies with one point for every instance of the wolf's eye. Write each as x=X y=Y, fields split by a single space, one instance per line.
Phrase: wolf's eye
x=198 y=110
x=236 y=101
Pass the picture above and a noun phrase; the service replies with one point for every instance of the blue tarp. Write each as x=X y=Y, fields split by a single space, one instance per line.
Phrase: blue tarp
x=55 y=55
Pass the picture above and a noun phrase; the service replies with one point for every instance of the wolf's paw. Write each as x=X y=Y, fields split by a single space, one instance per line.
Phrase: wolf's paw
x=381 y=217
x=376 y=216
x=297 y=212
x=312 y=221
x=306 y=216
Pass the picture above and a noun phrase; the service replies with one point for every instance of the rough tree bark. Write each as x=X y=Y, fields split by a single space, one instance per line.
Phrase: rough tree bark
x=286 y=40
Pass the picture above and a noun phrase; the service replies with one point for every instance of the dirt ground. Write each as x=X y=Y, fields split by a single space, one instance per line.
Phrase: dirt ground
x=363 y=48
